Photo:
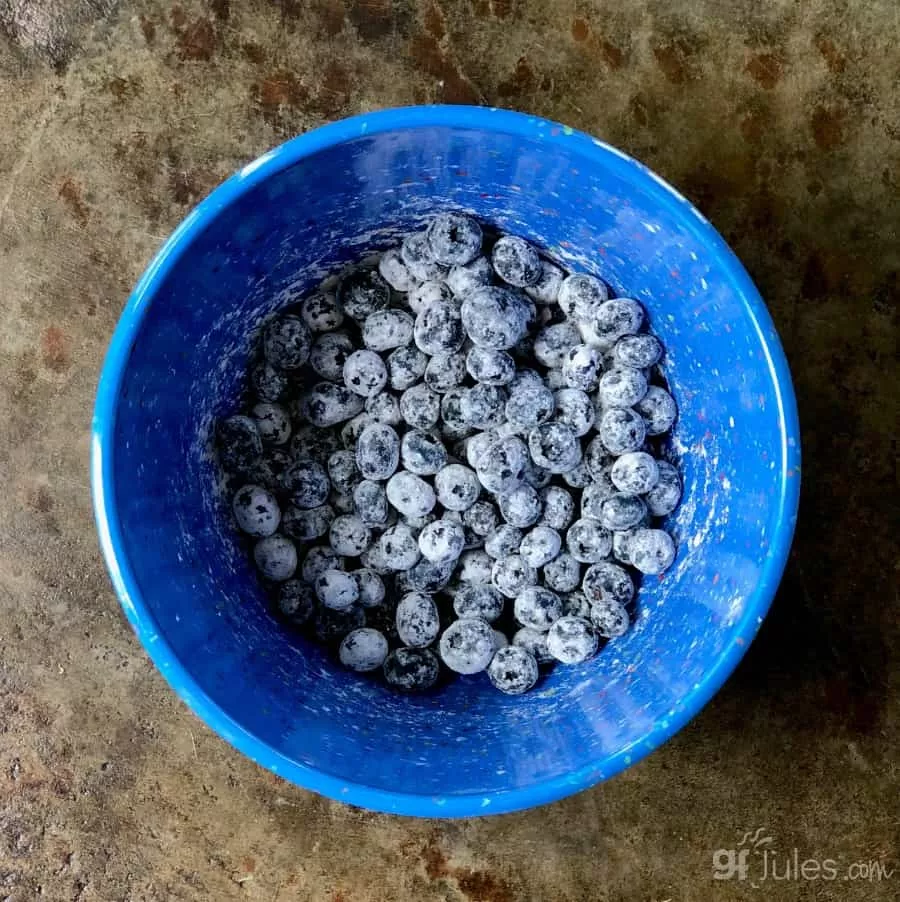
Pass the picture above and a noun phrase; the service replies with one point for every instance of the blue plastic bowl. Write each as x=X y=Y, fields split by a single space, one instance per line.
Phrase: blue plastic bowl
x=176 y=363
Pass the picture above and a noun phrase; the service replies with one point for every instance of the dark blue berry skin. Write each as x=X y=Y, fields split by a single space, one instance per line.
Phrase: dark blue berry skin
x=362 y=292
x=306 y=482
x=516 y=261
x=239 y=443
x=454 y=239
x=287 y=342
x=411 y=669
x=268 y=382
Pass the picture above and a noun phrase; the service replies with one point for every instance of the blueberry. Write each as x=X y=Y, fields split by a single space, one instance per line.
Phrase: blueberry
x=305 y=525
x=349 y=535
x=418 y=623
x=578 y=477
x=362 y=292
x=576 y=605
x=410 y=494
x=651 y=550
x=546 y=289
x=336 y=589
x=387 y=329
x=331 y=626
x=516 y=261
x=489 y=366
x=321 y=312
x=426 y=576
x=342 y=471
x=621 y=511
x=622 y=386
x=595 y=494
x=664 y=497
x=467 y=645
x=377 y=451
x=256 y=511
x=419 y=259
x=276 y=557
x=411 y=669
x=597 y=456
x=607 y=582
x=327 y=404
x=563 y=573
x=503 y=541
x=634 y=473
x=581 y=367
x=354 y=428
x=384 y=408
x=534 y=642
x=481 y=518
x=363 y=650
x=572 y=640
x=540 y=546
x=555 y=447
x=537 y=607
x=454 y=239
x=513 y=670
x=552 y=343
x=295 y=602
x=511 y=574
x=494 y=318
x=610 y=618
x=575 y=409
x=442 y=541
x=370 y=587
x=588 y=540
x=239 y=443
x=311 y=443
x=478 y=601
x=399 y=547
x=457 y=487
x=501 y=465
x=483 y=406
x=342 y=502
x=328 y=355
x=445 y=371
x=287 y=341
x=420 y=407
x=618 y=317
x=406 y=366
x=394 y=271
x=268 y=382
x=621 y=429
x=473 y=448
x=439 y=329
x=429 y=293
x=306 y=482
x=454 y=425
x=520 y=507
x=462 y=280
x=474 y=567
x=558 y=507
x=529 y=405
x=581 y=295
x=638 y=351
x=365 y=373
x=422 y=453
x=658 y=409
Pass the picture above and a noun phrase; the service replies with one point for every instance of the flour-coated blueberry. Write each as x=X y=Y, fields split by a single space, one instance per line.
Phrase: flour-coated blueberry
x=503 y=541
x=349 y=536
x=530 y=404
x=513 y=670
x=558 y=507
x=546 y=289
x=664 y=497
x=304 y=525
x=406 y=366
x=377 y=451
x=640 y=351
x=439 y=328
x=563 y=573
x=617 y=317
x=572 y=640
x=516 y=261
x=363 y=650
x=445 y=371
x=362 y=292
x=287 y=342
x=502 y=463
x=622 y=386
x=420 y=407
x=395 y=272
x=555 y=447
x=610 y=618
x=454 y=239
x=410 y=494
x=411 y=669
x=268 y=382
x=494 y=318
x=464 y=279
x=478 y=601
x=275 y=557
x=467 y=645
x=306 y=482
x=534 y=642
x=581 y=367
x=537 y=607
x=336 y=589
x=329 y=353
x=384 y=408
x=635 y=473
x=607 y=582
x=575 y=409
x=492 y=367
x=588 y=540
x=511 y=574
x=327 y=404
x=321 y=312
x=621 y=429
x=540 y=546
x=419 y=259
x=296 y=602
x=652 y=550
x=658 y=409
x=580 y=295
x=621 y=511
x=521 y=506
x=457 y=487
x=256 y=511
x=387 y=329
x=239 y=444
x=399 y=547
x=418 y=623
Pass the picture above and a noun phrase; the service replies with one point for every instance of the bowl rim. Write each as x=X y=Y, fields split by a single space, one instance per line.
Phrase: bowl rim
x=109 y=525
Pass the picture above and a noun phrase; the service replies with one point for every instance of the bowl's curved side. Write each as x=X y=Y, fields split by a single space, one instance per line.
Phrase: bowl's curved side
x=110 y=527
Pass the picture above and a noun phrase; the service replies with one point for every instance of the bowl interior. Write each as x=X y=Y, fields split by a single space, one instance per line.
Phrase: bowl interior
x=195 y=600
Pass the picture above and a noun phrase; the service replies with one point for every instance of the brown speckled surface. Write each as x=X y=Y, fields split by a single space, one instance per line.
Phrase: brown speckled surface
x=779 y=118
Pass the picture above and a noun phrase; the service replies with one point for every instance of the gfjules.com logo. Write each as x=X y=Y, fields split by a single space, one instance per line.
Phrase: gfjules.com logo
x=757 y=860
